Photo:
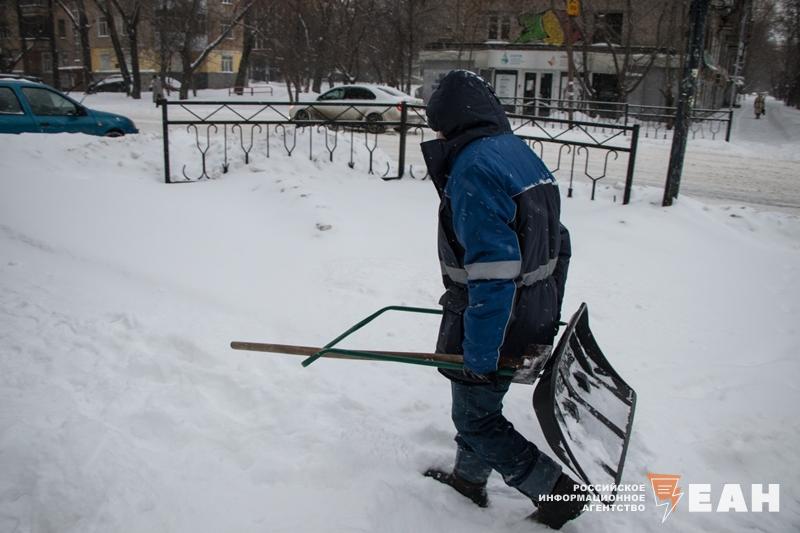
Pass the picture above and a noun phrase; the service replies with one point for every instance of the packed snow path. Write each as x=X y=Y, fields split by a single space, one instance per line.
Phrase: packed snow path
x=122 y=409
x=760 y=166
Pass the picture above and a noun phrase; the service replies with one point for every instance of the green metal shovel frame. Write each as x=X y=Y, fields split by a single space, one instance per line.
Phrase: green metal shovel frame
x=446 y=361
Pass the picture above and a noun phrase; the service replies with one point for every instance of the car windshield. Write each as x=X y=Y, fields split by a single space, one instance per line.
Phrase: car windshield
x=393 y=92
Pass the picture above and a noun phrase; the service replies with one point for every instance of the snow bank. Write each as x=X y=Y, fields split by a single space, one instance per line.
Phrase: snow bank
x=122 y=408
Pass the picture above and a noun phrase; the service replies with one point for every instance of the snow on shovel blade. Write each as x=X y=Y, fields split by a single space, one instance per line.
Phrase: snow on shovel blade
x=585 y=408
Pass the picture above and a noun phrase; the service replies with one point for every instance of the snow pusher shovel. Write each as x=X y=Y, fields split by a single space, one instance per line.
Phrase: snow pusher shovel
x=584 y=407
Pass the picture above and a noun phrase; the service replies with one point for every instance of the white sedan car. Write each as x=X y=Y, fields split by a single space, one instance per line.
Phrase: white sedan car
x=368 y=103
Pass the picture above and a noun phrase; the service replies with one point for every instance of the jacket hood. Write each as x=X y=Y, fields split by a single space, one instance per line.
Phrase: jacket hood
x=465 y=101
x=463 y=108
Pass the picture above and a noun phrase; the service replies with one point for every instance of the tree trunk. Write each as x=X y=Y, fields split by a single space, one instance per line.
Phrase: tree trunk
x=51 y=29
x=289 y=90
x=133 y=43
x=186 y=75
x=86 y=51
x=316 y=84
x=248 y=42
x=107 y=12
x=23 y=46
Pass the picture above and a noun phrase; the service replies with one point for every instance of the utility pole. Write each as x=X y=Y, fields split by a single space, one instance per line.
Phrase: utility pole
x=698 y=12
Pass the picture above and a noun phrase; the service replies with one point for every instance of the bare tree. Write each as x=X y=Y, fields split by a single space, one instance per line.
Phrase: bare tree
x=80 y=21
x=130 y=12
x=166 y=40
x=468 y=24
x=291 y=42
x=107 y=10
x=191 y=18
x=677 y=18
x=248 y=43
x=631 y=66
x=51 y=32
x=630 y=63
x=12 y=51
x=414 y=35
x=353 y=20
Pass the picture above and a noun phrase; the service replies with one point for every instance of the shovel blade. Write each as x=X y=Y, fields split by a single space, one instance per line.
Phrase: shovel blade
x=585 y=408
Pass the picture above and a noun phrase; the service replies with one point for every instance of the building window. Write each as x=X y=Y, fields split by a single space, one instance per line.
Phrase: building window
x=505 y=27
x=102 y=27
x=62 y=29
x=224 y=28
x=105 y=61
x=47 y=62
x=4 y=32
x=227 y=2
x=608 y=28
x=227 y=63
x=260 y=42
x=499 y=27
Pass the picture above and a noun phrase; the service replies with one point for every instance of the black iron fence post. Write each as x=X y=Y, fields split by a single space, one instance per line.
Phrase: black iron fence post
x=403 y=129
x=730 y=124
x=626 y=114
x=626 y=198
x=165 y=125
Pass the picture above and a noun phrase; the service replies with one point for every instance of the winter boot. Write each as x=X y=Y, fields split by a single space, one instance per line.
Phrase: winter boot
x=474 y=491
x=557 y=513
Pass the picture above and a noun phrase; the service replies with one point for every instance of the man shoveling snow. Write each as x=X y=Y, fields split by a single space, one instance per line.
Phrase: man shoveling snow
x=504 y=257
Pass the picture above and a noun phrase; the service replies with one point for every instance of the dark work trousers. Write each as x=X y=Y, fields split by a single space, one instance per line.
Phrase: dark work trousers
x=487 y=441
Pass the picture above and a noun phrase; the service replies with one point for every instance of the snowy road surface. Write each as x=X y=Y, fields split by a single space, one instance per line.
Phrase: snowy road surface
x=122 y=408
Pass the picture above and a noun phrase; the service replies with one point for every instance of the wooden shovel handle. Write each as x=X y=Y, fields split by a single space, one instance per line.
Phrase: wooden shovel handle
x=307 y=351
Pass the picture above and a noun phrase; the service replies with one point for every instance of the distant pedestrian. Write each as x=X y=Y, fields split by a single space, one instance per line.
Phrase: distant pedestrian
x=760 y=105
x=157 y=86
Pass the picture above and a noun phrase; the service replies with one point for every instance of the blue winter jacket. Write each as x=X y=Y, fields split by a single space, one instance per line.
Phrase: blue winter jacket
x=503 y=252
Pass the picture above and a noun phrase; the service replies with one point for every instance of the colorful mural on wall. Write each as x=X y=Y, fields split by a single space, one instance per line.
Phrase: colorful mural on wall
x=546 y=27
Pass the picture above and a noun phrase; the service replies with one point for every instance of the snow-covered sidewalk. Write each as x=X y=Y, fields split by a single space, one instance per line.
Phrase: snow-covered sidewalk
x=122 y=409
x=760 y=167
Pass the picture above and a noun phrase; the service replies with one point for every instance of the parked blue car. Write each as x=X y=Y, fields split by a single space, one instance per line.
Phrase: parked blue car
x=32 y=107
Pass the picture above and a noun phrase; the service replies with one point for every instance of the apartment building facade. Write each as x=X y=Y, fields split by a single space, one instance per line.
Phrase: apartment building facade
x=621 y=50
x=50 y=33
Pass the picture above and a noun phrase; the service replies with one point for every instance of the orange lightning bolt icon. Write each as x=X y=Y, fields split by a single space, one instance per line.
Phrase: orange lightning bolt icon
x=666 y=492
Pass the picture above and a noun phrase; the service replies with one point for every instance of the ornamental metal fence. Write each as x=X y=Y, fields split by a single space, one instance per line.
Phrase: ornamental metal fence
x=223 y=132
x=656 y=122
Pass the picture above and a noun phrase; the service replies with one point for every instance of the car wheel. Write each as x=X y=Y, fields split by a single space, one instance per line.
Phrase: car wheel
x=114 y=133
x=373 y=125
x=302 y=114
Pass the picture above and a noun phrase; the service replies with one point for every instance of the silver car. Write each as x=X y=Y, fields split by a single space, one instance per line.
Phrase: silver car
x=372 y=104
